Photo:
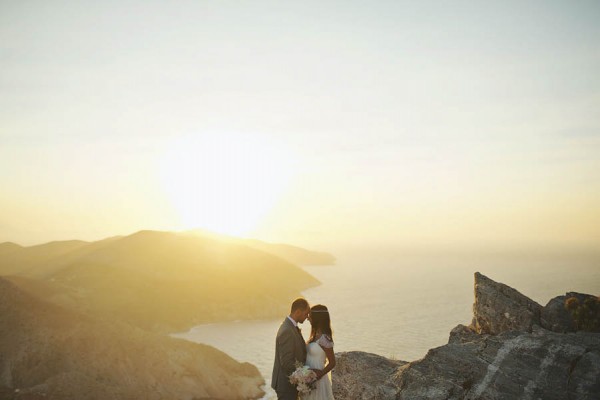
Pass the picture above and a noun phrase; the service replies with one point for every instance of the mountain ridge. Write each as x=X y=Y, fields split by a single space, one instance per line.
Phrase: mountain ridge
x=157 y=280
x=294 y=254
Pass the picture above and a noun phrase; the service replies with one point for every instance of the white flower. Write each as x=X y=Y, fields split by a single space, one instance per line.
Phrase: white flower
x=303 y=378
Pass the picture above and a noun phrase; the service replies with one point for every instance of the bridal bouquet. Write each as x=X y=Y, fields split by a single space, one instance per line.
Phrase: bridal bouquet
x=303 y=378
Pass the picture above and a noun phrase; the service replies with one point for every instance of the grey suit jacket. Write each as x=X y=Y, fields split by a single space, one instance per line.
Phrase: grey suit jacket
x=289 y=348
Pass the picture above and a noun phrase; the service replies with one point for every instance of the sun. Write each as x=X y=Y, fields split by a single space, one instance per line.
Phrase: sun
x=226 y=183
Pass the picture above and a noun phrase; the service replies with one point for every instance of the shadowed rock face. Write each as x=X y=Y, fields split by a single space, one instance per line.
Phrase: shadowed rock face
x=572 y=312
x=364 y=376
x=514 y=349
x=48 y=352
x=512 y=365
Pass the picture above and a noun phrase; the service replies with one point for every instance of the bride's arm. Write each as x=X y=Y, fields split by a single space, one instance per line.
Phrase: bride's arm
x=330 y=361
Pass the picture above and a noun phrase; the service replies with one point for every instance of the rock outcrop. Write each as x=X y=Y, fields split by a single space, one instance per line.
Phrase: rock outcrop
x=512 y=365
x=48 y=352
x=514 y=349
x=364 y=376
x=500 y=308
x=572 y=312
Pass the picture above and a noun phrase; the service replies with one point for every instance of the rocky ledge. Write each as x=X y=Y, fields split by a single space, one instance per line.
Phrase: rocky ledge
x=513 y=349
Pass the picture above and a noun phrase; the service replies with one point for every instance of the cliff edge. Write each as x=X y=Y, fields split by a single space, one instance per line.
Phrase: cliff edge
x=513 y=349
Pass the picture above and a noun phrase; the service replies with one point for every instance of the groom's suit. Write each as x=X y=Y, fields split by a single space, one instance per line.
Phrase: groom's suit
x=289 y=348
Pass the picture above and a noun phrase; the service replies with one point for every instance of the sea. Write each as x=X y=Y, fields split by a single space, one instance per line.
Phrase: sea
x=400 y=307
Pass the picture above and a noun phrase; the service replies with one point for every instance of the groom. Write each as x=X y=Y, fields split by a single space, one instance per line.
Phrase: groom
x=289 y=348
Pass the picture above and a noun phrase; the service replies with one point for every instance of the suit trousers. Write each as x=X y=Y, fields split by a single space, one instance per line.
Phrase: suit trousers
x=287 y=395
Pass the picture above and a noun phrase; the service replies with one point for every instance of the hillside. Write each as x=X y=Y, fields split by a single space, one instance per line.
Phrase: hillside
x=160 y=281
x=9 y=247
x=50 y=352
x=18 y=260
x=294 y=254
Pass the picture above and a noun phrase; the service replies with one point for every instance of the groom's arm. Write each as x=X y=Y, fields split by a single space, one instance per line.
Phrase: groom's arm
x=287 y=361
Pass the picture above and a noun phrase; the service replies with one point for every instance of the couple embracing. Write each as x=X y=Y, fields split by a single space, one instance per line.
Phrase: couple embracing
x=291 y=350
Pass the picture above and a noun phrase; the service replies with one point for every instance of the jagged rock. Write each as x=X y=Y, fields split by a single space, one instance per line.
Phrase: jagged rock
x=499 y=308
x=512 y=365
x=508 y=357
x=364 y=376
x=462 y=334
x=572 y=312
x=556 y=317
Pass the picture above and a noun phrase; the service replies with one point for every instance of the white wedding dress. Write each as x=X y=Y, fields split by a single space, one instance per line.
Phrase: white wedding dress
x=315 y=358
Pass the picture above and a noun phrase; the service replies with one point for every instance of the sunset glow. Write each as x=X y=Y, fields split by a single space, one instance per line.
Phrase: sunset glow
x=391 y=124
x=225 y=183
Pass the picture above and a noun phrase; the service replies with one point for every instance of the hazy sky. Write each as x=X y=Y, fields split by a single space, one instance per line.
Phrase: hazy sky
x=316 y=123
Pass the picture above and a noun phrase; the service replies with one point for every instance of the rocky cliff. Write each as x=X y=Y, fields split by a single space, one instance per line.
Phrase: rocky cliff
x=513 y=349
x=48 y=352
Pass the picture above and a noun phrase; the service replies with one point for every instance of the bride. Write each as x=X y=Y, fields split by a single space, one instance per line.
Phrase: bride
x=319 y=349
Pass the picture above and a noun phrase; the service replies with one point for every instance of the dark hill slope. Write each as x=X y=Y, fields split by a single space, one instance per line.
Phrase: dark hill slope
x=53 y=353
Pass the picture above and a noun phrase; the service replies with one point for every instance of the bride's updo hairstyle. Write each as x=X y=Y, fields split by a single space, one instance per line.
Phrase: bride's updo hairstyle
x=319 y=321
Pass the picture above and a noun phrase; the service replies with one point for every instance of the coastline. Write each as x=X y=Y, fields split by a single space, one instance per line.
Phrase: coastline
x=422 y=310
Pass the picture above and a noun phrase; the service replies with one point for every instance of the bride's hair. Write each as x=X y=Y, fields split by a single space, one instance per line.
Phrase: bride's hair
x=319 y=321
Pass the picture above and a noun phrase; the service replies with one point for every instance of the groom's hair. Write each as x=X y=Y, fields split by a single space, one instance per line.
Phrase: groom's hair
x=299 y=304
